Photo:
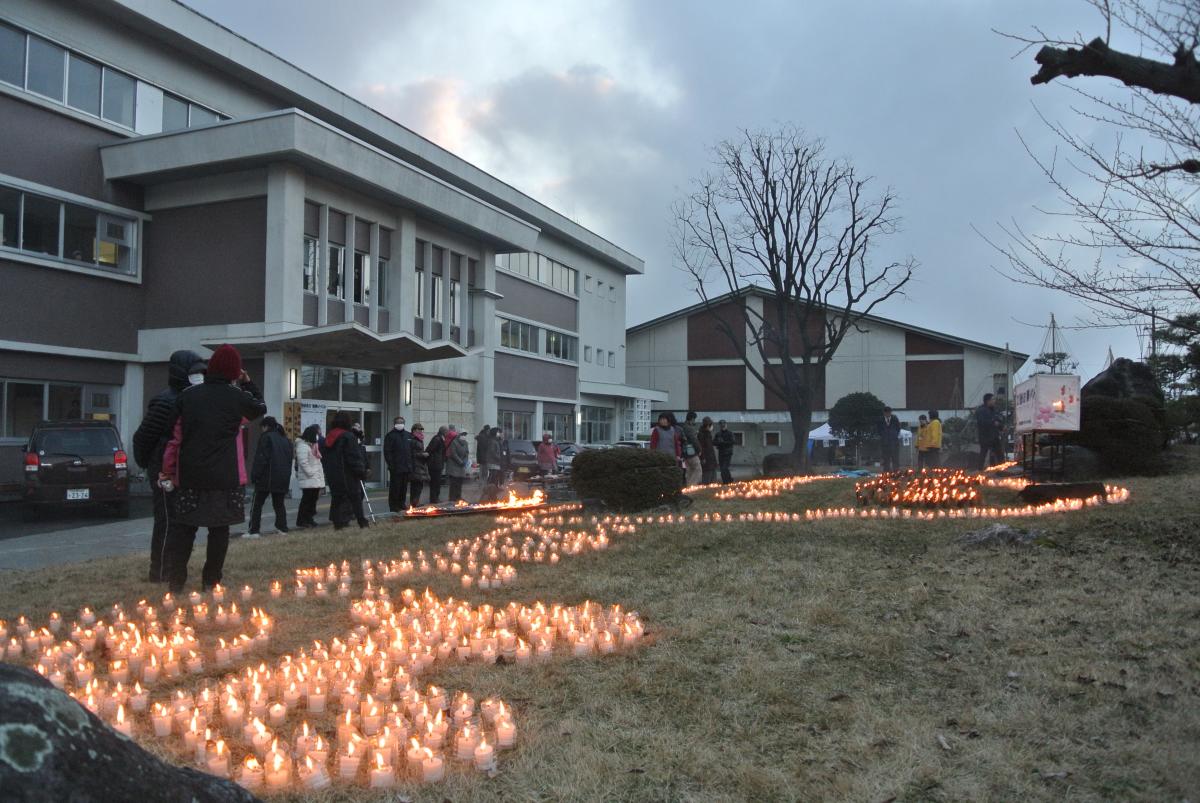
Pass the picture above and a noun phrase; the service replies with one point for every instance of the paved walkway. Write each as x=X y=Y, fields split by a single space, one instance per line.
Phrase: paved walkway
x=72 y=544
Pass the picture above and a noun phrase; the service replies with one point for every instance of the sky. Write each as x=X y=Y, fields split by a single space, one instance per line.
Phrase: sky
x=606 y=111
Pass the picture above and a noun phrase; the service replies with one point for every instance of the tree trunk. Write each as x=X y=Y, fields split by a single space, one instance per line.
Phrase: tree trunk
x=801 y=415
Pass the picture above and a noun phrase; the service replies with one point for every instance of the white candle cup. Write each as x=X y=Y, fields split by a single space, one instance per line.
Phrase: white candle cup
x=485 y=757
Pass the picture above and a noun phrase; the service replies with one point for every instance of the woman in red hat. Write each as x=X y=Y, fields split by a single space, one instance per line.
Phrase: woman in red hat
x=206 y=461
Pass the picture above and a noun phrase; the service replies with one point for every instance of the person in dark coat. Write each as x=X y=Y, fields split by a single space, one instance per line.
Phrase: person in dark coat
x=708 y=451
x=889 y=439
x=458 y=462
x=271 y=475
x=345 y=470
x=420 y=465
x=481 y=439
x=397 y=454
x=723 y=440
x=436 y=450
x=206 y=462
x=989 y=423
x=184 y=369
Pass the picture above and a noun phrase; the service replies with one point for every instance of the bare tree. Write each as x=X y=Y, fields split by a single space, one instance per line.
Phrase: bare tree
x=1131 y=245
x=776 y=214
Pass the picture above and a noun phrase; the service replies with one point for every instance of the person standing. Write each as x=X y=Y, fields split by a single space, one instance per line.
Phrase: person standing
x=933 y=441
x=184 y=369
x=691 y=450
x=889 y=439
x=547 y=454
x=667 y=438
x=922 y=440
x=989 y=423
x=723 y=440
x=436 y=463
x=345 y=469
x=708 y=452
x=310 y=475
x=458 y=461
x=205 y=460
x=271 y=475
x=397 y=453
x=420 y=465
x=492 y=460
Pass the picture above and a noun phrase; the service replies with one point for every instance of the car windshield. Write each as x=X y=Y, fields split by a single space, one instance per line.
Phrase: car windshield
x=89 y=441
x=523 y=447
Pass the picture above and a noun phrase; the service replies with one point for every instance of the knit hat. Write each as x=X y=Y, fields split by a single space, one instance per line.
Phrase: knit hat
x=225 y=363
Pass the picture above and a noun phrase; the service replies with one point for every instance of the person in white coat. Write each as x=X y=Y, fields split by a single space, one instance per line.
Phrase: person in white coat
x=310 y=475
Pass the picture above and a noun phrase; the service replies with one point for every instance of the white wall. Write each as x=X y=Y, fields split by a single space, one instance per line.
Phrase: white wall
x=869 y=361
x=658 y=360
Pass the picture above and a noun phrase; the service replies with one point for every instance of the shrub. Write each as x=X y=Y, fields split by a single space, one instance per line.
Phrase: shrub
x=627 y=479
x=1125 y=433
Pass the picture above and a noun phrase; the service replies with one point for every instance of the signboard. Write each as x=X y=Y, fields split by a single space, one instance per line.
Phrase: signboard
x=291 y=420
x=1048 y=403
x=312 y=412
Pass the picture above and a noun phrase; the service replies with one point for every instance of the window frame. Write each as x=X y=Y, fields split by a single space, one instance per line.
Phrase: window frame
x=340 y=294
x=739 y=438
x=311 y=265
x=360 y=276
x=778 y=439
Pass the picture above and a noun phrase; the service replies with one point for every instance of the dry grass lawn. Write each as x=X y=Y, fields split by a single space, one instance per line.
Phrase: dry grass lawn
x=863 y=661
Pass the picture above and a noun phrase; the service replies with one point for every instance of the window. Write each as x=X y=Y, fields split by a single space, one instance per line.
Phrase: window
x=739 y=438
x=540 y=269
x=587 y=353
x=612 y=359
x=201 y=116
x=25 y=403
x=382 y=289
x=771 y=438
x=435 y=301
x=119 y=93
x=600 y=357
x=47 y=63
x=517 y=425
x=337 y=271
x=521 y=336
x=595 y=425
x=420 y=292
x=561 y=426
x=564 y=347
x=311 y=245
x=362 y=278
x=454 y=303
x=12 y=56
x=83 y=85
x=49 y=227
x=317 y=382
x=175 y=113
x=362 y=386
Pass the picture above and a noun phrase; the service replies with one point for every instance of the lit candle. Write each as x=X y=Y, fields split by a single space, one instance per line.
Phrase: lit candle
x=277 y=714
x=382 y=774
x=276 y=589
x=247 y=593
x=218 y=593
x=222 y=654
x=121 y=724
x=139 y=699
x=348 y=763
x=433 y=769
x=218 y=760
x=313 y=774
x=316 y=699
x=161 y=718
x=506 y=732
x=485 y=758
x=278 y=772
x=468 y=740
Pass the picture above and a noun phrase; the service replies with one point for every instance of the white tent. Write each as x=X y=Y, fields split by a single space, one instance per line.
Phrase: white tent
x=825 y=434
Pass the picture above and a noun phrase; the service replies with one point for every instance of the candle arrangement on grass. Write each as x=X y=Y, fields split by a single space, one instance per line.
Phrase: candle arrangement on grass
x=513 y=502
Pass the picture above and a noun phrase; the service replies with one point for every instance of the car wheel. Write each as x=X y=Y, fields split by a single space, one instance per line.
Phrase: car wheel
x=121 y=509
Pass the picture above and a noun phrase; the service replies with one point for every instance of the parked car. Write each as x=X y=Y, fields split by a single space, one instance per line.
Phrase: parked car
x=566 y=456
x=74 y=464
x=522 y=459
x=632 y=445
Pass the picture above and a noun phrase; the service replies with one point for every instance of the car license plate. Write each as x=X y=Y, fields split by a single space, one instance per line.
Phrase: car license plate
x=75 y=494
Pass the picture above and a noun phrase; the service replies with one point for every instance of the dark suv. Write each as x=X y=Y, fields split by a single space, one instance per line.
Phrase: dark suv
x=75 y=463
x=522 y=459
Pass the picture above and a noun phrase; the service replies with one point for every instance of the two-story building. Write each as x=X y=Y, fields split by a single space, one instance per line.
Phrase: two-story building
x=166 y=184
x=691 y=357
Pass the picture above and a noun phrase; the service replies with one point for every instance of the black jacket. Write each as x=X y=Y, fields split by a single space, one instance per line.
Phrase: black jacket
x=420 y=461
x=155 y=430
x=889 y=430
x=210 y=418
x=723 y=440
x=342 y=458
x=437 y=454
x=272 y=470
x=990 y=422
x=396 y=451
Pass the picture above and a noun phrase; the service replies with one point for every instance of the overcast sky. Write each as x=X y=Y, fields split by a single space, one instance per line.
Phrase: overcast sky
x=604 y=110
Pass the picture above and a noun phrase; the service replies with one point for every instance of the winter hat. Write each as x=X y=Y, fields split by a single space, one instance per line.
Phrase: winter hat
x=225 y=363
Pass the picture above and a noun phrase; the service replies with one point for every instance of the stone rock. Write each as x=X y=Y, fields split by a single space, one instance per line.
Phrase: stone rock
x=999 y=535
x=54 y=749
x=1042 y=492
x=1124 y=379
x=1081 y=464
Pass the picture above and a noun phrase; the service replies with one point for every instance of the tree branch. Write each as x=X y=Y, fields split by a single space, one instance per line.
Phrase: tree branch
x=1180 y=79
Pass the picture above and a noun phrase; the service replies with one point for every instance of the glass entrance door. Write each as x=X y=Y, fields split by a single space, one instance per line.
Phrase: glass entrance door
x=371 y=418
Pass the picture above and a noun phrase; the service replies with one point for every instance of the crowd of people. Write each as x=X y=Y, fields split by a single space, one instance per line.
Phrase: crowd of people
x=700 y=450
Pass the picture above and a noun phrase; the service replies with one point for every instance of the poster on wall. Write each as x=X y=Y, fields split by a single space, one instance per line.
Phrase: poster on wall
x=1048 y=403
x=312 y=412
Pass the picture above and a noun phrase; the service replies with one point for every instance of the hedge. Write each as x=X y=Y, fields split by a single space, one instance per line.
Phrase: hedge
x=626 y=479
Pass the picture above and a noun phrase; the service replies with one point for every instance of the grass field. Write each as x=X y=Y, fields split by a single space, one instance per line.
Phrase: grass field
x=836 y=660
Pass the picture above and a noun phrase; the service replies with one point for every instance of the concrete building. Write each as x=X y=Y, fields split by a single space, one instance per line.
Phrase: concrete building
x=911 y=369
x=166 y=184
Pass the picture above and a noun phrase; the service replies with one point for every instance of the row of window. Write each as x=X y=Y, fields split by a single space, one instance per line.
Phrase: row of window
x=37 y=65
x=595 y=424
x=600 y=357
x=518 y=425
x=357 y=281
x=78 y=234
x=435 y=302
x=24 y=403
x=541 y=269
x=527 y=337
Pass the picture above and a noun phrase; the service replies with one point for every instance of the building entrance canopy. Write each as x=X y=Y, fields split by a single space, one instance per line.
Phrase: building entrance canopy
x=347 y=344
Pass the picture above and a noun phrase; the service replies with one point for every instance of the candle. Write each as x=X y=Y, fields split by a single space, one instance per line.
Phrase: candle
x=234 y=714
x=485 y=758
x=150 y=671
x=218 y=760
x=276 y=589
x=161 y=718
x=222 y=654
x=416 y=755
x=313 y=774
x=348 y=763
x=218 y=593
x=278 y=772
x=139 y=699
x=506 y=732
x=468 y=740
x=277 y=713
x=382 y=774
x=251 y=777
x=121 y=724
x=316 y=699
x=118 y=671
x=432 y=767
x=371 y=721
x=260 y=737
x=247 y=593
x=319 y=750
x=194 y=663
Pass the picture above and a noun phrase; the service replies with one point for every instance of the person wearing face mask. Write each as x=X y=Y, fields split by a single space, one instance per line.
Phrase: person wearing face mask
x=185 y=368
x=397 y=453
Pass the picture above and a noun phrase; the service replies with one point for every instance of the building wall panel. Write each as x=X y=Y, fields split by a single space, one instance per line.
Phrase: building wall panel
x=716 y=387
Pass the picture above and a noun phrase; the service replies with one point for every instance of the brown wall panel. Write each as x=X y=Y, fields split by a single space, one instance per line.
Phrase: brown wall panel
x=915 y=343
x=706 y=341
x=815 y=324
x=536 y=303
x=528 y=377
x=49 y=148
x=774 y=401
x=933 y=384
x=206 y=264
x=60 y=308
x=717 y=387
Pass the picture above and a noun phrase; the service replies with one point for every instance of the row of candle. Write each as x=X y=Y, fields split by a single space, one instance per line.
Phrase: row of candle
x=760 y=488
x=931 y=487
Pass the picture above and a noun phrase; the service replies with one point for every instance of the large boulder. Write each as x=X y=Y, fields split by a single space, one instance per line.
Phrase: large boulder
x=52 y=748
x=1124 y=379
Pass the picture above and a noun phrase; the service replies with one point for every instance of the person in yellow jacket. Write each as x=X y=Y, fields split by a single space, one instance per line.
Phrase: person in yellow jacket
x=929 y=441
